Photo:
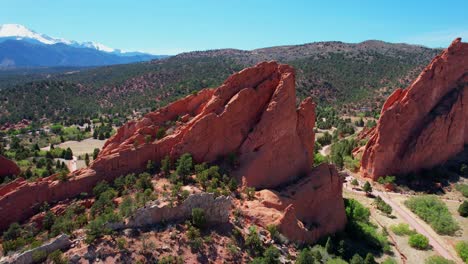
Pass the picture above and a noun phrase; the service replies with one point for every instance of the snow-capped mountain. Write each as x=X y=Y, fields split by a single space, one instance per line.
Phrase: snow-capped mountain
x=20 y=32
x=23 y=47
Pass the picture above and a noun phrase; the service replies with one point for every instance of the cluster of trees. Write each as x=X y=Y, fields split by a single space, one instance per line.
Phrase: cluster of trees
x=434 y=212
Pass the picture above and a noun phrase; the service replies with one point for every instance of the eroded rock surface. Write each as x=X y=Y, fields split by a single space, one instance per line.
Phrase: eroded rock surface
x=59 y=243
x=8 y=167
x=216 y=210
x=427 y=123
x=252 y=114
x=305 y=210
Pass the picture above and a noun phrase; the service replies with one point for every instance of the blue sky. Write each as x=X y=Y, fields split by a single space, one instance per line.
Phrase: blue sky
x=172 y=26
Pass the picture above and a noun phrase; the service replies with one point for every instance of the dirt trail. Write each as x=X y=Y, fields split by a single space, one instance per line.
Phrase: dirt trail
x=411 y=219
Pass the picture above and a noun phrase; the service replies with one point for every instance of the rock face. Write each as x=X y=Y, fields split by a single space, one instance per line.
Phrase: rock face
x=216 y=210
x=305 y=210
x=425 y=124
x=8 y=167
x=252 y=114
x=58 y=243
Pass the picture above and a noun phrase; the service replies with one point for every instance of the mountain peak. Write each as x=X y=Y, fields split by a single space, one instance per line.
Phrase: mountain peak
x=18 y=31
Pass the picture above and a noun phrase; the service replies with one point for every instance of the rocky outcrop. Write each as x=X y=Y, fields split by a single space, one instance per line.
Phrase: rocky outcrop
x=8 y=167
x=253 y=115
x=216 y=210
x=58 y=243
x=305 y=210
x=427 y=123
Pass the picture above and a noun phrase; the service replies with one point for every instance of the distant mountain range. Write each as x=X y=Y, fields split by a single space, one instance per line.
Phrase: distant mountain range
x=21 y=47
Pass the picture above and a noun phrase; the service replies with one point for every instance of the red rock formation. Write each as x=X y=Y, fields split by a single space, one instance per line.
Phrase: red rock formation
x=252 y=114
x=303 y=211
x=8 y=167
x=425 y=124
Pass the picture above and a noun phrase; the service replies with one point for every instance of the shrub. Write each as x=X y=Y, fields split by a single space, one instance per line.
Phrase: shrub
x=462 y=250
x=198 y=217
x=144 y=182
x=326 y=139
x=356 y=259
x=367 y=187
x=57 y=257
x=127 y=207
x=354 y=182
x=171 y=260
x=13 y=232
x=161 y=133
x=463 y=188
x=418 y=241
x=438 y=260
x=121 y=243
x=434 y=212
x=463 y=209
x=402 y=230
x=369 y=259
x=184 y=165
x=38 y=256
x=270 y=256
x=383 y=206
x=389 y=260
x=305 y=257
x=253 y=242
x=274 y=233
x=100 y=188
x=194 y=236
x=250 y=192
x=96 y=229
x=166 y=165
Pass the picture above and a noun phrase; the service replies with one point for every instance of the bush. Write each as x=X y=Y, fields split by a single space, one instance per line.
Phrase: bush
x=438 y=260
x=359 y=226
x=184 y=165
x=13 y=232
x=463 y=188
x=166 y=165
x=383 y=206
x=253 y=242
x=402 y=230
x=57 y=257
x=462 y=250
x=198 y=217
x=144 y=182
x=160 y=133
x=127 y=207
x=418 y=241
x=250 y=192
x=305 y=257
x=326 y=139
x=434 y=212
x=367 y=187
x=355 y=182
x=38 y=256
x=463 y=209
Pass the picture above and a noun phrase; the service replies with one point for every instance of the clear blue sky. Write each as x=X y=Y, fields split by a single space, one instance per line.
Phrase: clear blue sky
x=172 y=26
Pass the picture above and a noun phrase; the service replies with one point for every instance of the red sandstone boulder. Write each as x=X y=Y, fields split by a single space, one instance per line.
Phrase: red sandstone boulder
x=303 y=211
x=425 y=124
x=8 y=167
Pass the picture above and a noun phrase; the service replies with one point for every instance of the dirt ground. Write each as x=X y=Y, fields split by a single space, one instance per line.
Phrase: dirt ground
x=81 y=147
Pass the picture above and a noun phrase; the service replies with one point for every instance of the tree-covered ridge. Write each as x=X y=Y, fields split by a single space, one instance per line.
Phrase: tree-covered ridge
x=351 y=76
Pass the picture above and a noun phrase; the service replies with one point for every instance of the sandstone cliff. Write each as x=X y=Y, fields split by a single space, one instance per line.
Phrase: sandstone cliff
x=425 y=124
x=304 y=210
x=252 y=114
x=8 y=167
